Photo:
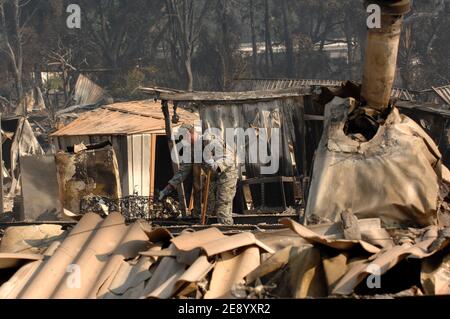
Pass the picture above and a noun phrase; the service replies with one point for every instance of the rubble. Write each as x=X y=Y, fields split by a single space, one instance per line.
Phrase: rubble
x=18 y=140
x=86 y=174
x=34 y=239
x=136 y=261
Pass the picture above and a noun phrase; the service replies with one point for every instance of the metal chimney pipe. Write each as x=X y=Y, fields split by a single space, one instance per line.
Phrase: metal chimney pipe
x=381 y=53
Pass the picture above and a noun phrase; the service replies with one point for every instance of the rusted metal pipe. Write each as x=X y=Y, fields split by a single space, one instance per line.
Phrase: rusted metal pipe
x=381 y=53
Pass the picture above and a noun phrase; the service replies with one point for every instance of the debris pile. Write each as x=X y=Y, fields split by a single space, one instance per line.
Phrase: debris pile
x=105 y=258
x=18 y=141
x=132 y=207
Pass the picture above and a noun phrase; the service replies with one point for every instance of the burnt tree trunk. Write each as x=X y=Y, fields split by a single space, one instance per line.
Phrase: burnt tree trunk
x=13 y=44
x=185 y=26
x=253 y=35
x=268 y=36
x=188 y=69
x=287 y=41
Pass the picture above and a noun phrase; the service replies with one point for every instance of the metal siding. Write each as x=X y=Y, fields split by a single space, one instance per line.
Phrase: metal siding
x=137 y=163
x=152 y=163
x=278 y=84
x=130 y=171
x=145 y=164
x=444 y=93
x=138 y=150
x=87 y=92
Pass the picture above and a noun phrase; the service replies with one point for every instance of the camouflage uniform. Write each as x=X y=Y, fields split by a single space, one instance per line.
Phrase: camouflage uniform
x=180 y=176
x=222 y=188
x=221 y=194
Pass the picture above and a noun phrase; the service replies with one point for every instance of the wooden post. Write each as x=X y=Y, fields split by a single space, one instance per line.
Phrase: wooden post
x=205 y=198
x=176 y=163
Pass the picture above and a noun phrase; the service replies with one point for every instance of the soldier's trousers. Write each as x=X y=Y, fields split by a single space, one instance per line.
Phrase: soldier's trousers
x=222 y=190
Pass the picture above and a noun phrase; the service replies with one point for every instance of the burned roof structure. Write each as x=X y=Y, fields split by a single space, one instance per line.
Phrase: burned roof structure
x=136 y=133
x=125 y=118
x=133 y=129
x=282 y=110
x=275 y=84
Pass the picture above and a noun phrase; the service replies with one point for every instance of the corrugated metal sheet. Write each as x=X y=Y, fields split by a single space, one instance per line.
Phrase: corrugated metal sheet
x=274 y=84
x=123 y=119
x=444 y=93
x=268 y=114
x=402 y=94
x=107 y=259
x=139 y=160
x=110 y=260
x=87 y=92
x=282 y=114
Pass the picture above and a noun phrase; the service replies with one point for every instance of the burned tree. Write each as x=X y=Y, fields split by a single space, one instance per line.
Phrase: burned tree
x=186 y=19
x=12 y=39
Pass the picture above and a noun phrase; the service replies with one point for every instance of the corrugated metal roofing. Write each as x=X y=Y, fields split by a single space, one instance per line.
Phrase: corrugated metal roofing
x=402 y=94
x=276 y=84
x=108 y=259
x=86 y=91
x=126 y=118
x=444 y=93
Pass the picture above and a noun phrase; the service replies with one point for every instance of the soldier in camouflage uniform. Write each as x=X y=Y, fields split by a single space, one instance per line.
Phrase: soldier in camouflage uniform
x=222 y=190
x=222 y=187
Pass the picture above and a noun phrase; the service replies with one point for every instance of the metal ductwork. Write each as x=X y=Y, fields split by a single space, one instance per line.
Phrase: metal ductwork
x=381 y=53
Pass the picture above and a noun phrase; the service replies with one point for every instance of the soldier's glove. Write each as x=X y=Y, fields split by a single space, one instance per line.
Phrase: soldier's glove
x=165 y=192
